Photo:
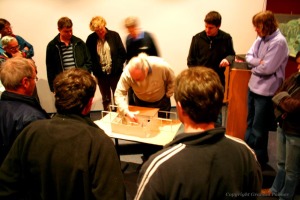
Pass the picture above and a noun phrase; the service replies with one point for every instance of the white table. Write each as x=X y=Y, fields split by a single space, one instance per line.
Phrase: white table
x=165 y=134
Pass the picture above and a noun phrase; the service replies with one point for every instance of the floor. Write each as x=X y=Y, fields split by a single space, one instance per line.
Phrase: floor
x=131 y=160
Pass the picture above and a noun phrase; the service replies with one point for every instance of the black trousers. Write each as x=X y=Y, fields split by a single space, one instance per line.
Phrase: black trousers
x=164 y=105
x=107 y=83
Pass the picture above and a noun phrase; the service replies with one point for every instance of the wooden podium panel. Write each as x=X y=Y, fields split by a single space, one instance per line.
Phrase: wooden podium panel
x=237 y=102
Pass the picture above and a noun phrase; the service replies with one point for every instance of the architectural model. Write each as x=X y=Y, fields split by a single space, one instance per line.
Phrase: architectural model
x=149 y=124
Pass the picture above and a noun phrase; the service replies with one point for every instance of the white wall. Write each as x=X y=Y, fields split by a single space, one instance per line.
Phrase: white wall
x=173 y=23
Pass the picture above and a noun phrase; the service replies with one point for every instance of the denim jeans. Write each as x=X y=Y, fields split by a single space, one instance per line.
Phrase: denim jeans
x=288 y=156
x=222 y=117
x=260 y=116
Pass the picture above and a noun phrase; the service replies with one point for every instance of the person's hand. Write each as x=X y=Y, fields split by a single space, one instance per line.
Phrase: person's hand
x=132 y=116
x=261 y=62
x=224 y=63
x=17 y=54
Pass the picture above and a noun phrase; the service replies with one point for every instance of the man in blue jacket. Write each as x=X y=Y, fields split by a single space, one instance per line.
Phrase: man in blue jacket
x=18 y=107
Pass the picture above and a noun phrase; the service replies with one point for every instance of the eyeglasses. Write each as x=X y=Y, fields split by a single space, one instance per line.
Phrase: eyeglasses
x=14 y=48
x=36 y=78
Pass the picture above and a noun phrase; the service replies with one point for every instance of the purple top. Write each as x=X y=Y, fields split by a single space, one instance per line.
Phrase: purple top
x=267 y=59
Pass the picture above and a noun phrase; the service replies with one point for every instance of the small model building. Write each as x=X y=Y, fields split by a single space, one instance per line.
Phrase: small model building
x=148 y=124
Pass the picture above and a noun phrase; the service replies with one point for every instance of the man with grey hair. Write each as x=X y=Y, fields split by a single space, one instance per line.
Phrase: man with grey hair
x=152 y=80
x=10 y=46
x=6 y=30
x=9 y=49
x=18 y=106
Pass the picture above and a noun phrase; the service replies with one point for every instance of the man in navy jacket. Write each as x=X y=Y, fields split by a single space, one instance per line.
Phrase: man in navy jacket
x=18 y=107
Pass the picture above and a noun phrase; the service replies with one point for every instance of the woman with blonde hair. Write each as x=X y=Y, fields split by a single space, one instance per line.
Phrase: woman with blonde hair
x=108 y=56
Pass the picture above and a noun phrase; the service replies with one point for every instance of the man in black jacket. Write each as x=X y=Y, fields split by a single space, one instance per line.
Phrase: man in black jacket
x=66 y=51
x=67 y=157
x=212 y=48
x=202 y=162
x=18 y=107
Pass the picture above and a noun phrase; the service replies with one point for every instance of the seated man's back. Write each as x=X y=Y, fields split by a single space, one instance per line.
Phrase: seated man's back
x=220 y=166
x=68 y=156
x=202 y=162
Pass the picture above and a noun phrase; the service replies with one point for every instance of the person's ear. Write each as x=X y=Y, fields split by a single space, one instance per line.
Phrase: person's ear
x=179 y=109
x=25 y=82
x=88 y=107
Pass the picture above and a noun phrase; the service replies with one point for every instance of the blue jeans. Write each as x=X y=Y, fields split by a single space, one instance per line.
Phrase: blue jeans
x=222 y=117
x=260 y=116
x=288 y=174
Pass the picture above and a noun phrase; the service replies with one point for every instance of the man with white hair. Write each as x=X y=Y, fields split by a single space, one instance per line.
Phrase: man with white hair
x=11 y=49
x=152 y=80
x=24 y=46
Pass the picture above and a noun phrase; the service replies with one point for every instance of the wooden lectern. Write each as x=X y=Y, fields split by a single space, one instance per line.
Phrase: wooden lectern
x=236 y=96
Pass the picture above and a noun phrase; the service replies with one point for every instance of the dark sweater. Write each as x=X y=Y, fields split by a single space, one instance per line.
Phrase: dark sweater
x=16 y=112
x=54 y=57
x=117 y=52
x=145 y=44
x=65 y=158
x=207 y=165
x=290 y=104
x=210 y=51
